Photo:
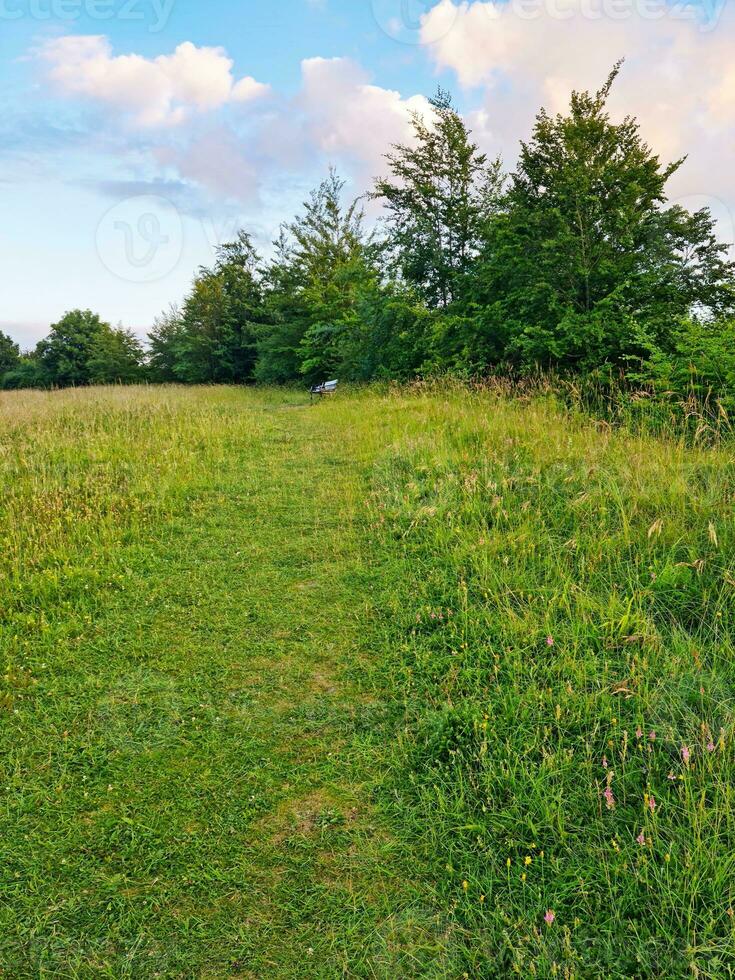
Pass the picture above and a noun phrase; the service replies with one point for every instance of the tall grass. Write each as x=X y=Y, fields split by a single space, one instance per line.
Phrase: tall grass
x=83 y=473
x=538 y=605
x=559 y=620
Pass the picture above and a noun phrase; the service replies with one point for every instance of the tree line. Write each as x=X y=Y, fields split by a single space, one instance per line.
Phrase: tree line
x=576 y=261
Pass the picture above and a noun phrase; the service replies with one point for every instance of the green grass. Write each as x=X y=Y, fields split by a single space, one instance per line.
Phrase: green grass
x=280 y=698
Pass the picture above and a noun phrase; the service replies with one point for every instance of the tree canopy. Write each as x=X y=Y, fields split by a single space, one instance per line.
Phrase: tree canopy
x=574 y=261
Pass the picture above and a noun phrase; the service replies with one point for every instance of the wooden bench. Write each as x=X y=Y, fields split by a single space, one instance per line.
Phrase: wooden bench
x=326 y=388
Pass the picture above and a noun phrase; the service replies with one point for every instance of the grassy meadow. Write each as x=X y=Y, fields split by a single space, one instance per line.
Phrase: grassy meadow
x=413 y=682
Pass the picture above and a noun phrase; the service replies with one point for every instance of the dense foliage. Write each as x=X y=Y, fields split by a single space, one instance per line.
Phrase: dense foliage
x=575 y=262
x=80 y=349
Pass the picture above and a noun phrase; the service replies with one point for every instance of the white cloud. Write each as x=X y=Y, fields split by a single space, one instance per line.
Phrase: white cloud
x=678 y=78
x=162 y=91
x=516 y=54
x=346 y=117
x=215 y=161
x=337 y=116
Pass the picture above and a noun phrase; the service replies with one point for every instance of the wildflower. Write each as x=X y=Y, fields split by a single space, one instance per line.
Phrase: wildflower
x=686 y=754
x=641 y=839
x=465 y=885
x=549 y=917
x=651 y=803
x=528 y=860
x=710 y=746
x=609 y=798
x=639 y=732
x=549 y=641
x=482 y=899
x=507 y=863
x=651 y=736
x=671 y=777
x=604 y=762
x=523 y=876
x=667 y=858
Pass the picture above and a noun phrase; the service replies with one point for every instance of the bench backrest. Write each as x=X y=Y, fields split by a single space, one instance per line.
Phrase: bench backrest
x=326 y=388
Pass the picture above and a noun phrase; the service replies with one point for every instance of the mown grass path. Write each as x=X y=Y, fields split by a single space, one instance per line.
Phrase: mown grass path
x=190 y=754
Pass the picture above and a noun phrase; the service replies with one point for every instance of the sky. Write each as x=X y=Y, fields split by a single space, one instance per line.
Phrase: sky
x=136 y=135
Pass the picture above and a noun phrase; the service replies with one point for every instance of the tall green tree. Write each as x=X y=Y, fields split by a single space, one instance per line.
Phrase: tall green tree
x=391 y=335
x=238 y=268
x=287 y=315
x=330 y=250
x=586 y=264
x=221 y=318
x=314 y=283
x=82 y=349
x=438 y=197
x=164 y=342
x=64 y=355
x=27 y=373
x=9 y=353
x=116 y=358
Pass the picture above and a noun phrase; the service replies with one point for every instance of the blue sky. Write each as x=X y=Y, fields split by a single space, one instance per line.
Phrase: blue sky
x=136 y=134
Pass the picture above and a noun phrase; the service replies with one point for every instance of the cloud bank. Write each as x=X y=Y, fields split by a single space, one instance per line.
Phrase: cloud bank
x=162 y=91
x=678 y=78
x=181 y=106
x=229 y=135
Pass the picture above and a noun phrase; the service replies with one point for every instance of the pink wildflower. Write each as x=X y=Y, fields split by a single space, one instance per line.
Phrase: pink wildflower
x=639 y=732
x=710 y=746
x=609 y=798
x=652 y=737
x=549 y=917
x=686 y=754
x=641 y=839
x=671 y=777
x=651 y=803
x=604 y=762
x=549 y=641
